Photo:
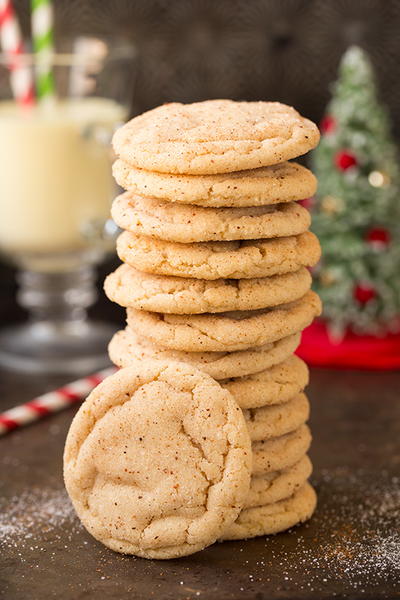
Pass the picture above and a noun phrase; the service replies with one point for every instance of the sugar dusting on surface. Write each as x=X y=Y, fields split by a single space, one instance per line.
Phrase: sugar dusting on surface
x=34 y=517
x=353 y=539
x=352 y=543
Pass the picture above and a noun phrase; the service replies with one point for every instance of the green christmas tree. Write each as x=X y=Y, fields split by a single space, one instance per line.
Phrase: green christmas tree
x=357 y=208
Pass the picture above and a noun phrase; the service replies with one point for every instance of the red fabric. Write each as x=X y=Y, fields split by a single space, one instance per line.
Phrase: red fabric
x=357 y=352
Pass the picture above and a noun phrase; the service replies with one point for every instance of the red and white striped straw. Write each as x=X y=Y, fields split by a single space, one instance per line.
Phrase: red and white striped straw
x=11 y=42
x=51 y=402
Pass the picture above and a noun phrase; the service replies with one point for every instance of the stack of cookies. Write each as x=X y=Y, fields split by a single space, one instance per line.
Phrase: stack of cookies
x=215 y=250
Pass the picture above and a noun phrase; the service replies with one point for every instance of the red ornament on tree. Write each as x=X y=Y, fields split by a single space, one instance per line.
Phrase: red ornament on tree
x=364 y=293
x=328 y=124
x=345 y=160
x=378 y=236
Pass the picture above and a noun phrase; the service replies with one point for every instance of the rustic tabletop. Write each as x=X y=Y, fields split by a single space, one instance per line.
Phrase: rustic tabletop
x=350 y=549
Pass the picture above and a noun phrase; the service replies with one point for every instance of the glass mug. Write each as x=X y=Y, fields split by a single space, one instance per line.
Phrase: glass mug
x=56 y=190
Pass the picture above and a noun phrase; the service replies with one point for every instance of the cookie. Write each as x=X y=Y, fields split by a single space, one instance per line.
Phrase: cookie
x=215 y=136
x=159 y=293
x=157 y=460
x=218 y=260
x=272 y=386
x=225 y=332
x=280 y=453
x=277 y=485
x=269 y=422
x=186 y=224
x=125 y=348
x=273 y=518
x=284 y=182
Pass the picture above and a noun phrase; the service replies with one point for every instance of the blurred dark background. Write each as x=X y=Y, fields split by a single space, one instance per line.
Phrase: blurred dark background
x=285 y=50
x=187 y=50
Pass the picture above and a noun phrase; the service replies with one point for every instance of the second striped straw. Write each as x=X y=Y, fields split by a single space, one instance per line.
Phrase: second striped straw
x=43 y=44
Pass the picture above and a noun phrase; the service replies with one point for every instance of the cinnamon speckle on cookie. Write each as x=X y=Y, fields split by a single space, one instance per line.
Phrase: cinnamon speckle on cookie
x=215 y=136
x=157 y=460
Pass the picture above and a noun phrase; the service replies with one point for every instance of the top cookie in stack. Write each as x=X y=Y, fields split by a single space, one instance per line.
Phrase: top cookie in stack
x=212 y=137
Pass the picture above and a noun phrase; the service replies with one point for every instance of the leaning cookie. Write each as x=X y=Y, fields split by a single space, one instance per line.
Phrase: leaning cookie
x=215 y=136
x=157 y=460
x=126 y=348
x=158 y=293
x=284 y=182
x=225 y=332
x=273 y=518
x=217 y=260
x=186 y=224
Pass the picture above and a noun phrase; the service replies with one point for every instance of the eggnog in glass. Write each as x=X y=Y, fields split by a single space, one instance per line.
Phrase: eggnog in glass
x=55 y=194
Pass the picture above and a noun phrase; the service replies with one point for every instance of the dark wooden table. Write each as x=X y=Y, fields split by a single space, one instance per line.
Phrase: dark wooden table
x=350 y=549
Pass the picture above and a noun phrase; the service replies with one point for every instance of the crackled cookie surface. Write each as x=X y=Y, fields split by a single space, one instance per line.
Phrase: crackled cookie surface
x=215 y=260
x=215 y=136
x=284 y=182
x=186 y=224
x=157 y=460
x=126 y=347
x=273 y=518
x=159 y=293
x=225 y=332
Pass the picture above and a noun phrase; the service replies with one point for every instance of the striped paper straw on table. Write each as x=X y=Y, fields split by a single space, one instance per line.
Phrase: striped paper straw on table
x=51 y=402
x=12 y=46
x=42 y=34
